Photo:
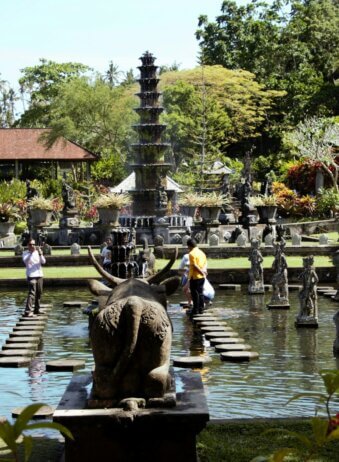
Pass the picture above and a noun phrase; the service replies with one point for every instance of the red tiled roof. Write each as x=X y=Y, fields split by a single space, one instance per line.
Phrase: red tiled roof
x=24 y=144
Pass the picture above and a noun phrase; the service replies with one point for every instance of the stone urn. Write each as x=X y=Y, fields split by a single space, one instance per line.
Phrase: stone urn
x=188 y=210
x=40 y=217
x=109 y=216
x=210 y=214
x=6 y=227
x=267 y=213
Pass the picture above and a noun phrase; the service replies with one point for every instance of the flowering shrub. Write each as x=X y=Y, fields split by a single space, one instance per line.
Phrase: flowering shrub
x=291 y=204
x=90 y=213
x=327 y=202
x=301 y=176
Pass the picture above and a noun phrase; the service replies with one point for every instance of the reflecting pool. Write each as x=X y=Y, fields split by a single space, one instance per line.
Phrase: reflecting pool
x=289 y=363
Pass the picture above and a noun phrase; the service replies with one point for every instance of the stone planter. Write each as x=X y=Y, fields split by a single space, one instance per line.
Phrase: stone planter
x=267 y=213
x=210 y=214
x=40 y=217
x=109 y=216
x=188 y=210
x=6 y=227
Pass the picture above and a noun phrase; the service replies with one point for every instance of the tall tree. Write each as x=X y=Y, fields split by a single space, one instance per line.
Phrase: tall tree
x=317 y=139
x=113 y=74
x=40 y=84
x=209 y=109
x=290 y=45
x=90 y=113
x=7 y=104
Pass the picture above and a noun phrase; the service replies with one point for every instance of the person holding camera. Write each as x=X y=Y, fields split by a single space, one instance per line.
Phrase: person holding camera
x=33 y=260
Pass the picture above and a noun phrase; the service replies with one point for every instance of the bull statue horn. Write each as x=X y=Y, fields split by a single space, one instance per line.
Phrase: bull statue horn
x=109 y=277
x=160 y=276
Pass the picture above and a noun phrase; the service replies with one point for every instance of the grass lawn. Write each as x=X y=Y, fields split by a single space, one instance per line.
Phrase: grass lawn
x=89 y=271
x=243 y=441
x=236 y=441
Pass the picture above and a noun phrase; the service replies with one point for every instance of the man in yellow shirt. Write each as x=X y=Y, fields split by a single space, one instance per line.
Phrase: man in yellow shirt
x=196 y=275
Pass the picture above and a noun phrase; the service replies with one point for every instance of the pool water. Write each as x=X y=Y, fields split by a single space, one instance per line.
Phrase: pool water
x=289 y=363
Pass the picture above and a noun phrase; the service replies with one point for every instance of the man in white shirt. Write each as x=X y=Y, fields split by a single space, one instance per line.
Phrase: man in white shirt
x=33 y=259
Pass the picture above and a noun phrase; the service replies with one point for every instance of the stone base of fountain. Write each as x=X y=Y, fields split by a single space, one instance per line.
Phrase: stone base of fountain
x=150 y=434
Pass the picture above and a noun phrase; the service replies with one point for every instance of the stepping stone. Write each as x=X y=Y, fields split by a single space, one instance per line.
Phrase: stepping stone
x=75 y=304
x=65 y=365
x=329 y=294
x=239 y=356
x=26 y=333
x=35 y=323
x=22 y=352
x=23 y=328
x=19 y=346
x=210 y=335
x=19 y=339
x=191 y=361
x=227 y=340
x=45 y=306
x=184 y=304
x=233 y=347
x=215 y=328
x=15 y=361
x=43 y=412
x=211 y=323
x=205 y=318
x=41 y=317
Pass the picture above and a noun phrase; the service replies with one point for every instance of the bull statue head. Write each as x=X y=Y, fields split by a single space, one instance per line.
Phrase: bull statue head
x=131 y=337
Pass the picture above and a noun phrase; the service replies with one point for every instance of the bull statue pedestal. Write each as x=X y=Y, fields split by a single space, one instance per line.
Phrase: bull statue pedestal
x=152 y=434
x=128 y=409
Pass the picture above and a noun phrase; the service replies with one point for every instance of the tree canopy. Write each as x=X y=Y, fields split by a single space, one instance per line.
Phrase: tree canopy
x=40 y=84
x=210 y=108
x=290 y=45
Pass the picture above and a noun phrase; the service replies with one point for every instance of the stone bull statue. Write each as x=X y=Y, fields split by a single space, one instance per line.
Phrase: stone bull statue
x=131 y=338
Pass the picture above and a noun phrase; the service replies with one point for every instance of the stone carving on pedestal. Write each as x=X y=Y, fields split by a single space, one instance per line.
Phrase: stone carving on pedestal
x=296 y=239
x=279 y=281
x=241 y=240
x=69 y=217
x=308 y=313
x=131 y=340
x=256 y=273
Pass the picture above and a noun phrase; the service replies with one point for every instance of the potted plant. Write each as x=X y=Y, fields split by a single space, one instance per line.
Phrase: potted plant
x=267 y=207
x=40 y=210
x=109 y=206
x=9 y=215
x=188 y=203
x=210 y=205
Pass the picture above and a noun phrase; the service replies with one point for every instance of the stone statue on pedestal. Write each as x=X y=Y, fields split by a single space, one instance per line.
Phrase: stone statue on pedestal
x=308 y=313
x=256 y=274
x=67 y=196
x=279 y=281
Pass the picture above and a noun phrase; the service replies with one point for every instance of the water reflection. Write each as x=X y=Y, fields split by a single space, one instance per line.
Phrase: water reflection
x=290 y=358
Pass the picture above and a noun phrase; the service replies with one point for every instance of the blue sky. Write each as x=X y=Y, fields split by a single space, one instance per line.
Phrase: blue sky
x=96 y=32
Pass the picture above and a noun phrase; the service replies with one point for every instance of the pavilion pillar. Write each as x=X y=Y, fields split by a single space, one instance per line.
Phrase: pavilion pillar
x=16 y=166
x=88 y=171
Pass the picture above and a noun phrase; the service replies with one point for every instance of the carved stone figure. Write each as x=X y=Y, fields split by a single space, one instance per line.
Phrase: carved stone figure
x=146 y=260
x=30 y=192
x=308 y=313
x=256 y=273
x=131 y=338
x=67 y=196
x=279 y=281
